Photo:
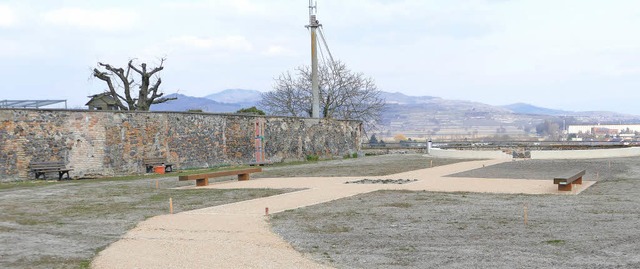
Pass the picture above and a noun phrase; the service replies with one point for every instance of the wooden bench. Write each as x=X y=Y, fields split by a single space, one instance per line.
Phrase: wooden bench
x=149 y=163
x=203 y=179
x=42 y=168
x=566 y=183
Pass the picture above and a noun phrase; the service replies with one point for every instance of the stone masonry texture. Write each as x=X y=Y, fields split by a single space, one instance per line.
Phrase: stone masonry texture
x=111 y=143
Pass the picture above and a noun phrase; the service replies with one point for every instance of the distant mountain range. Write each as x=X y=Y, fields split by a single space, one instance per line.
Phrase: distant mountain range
x=402 y=99
x=237 y=96
x=523 y=108
x=226 y=101
x=422 y=116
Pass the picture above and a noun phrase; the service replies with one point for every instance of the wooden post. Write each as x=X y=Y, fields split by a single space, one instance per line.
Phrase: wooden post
x=156 y=184
x=525 y=215
x=597 y=175
x=170 y=205
x=431 y=163
x=266 y=211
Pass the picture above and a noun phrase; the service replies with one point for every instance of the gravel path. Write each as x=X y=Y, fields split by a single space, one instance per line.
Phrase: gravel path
x=240 y=235
x=400 y=229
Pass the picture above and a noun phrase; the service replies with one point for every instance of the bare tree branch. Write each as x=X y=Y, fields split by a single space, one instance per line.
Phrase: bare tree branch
x=147 y=94
x=343 y=95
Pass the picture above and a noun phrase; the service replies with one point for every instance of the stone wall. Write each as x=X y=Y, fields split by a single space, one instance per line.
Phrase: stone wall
x=585 y=154
x=107 y=143
x=469 y=154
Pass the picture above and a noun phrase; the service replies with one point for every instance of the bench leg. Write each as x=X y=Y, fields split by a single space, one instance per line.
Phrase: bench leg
x=566 y=187
x=61 y=174
x=243 y=177
x=168 y=168
x=578 y=181
x=202 y=182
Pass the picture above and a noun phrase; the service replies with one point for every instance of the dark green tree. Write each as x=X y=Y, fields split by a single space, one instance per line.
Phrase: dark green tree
x=373 y=140
x=251 y=110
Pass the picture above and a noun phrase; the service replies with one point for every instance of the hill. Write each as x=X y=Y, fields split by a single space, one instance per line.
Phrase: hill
x=425 y=116
x=524 y=108
x=242 y=97
x=184 y=103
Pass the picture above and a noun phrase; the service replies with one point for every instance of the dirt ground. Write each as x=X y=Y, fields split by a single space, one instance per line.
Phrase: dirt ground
x=401 y=229
x=64 y=224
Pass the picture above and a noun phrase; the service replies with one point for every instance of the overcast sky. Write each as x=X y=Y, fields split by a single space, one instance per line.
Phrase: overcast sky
x=565 y=54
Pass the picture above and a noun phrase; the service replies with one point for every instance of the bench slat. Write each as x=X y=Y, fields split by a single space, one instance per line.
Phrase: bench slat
x=220 y=174
x=155 y=160
x=42 y=168
x=568 y=180
x=566 y=183
x=149 y=163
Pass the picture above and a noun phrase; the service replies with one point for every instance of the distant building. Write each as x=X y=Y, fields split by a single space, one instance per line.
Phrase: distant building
x=604 y=131
x=102 y=101
x=597 y=129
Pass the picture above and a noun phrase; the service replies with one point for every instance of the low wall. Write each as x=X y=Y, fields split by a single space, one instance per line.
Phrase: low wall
x=107 y=143
x=585 y=154
x=468 y=154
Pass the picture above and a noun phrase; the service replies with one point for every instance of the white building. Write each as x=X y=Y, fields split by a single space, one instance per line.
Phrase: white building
x=586 y=128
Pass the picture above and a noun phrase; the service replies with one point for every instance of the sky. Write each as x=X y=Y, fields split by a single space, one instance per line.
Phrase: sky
x=578 y=55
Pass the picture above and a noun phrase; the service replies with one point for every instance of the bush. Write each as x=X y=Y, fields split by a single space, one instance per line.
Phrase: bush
x=313 y=158
x=354 y=155
x=251 y=110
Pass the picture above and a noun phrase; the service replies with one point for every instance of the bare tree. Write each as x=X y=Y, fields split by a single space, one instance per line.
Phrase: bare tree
x=343 y=94
x=121 y=81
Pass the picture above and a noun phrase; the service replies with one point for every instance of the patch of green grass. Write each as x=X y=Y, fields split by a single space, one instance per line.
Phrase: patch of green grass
x=312 y=158
x=86 y=264
x=26 y=184
x=42 y=183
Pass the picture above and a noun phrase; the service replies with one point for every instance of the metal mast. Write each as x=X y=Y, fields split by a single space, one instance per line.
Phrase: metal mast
x=313 y=27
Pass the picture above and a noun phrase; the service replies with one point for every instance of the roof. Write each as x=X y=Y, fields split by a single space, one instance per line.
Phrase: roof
x=104 y=97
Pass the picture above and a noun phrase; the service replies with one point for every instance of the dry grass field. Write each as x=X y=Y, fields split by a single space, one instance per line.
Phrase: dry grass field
x=401 y=229
x=64 y=224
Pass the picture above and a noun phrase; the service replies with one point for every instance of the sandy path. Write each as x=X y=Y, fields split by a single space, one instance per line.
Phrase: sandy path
x=238 y=235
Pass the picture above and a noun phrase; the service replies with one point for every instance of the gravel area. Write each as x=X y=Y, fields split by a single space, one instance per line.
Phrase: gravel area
x=381 y=181
x=367 y=166
x=597 y=169
x=64 y=224
x=402 y=229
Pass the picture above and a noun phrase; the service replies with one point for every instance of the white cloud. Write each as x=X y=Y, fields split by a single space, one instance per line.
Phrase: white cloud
x=229 y=43
x=7 y=16
x=276 y=50
x=106 y=19
x=245 y=8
